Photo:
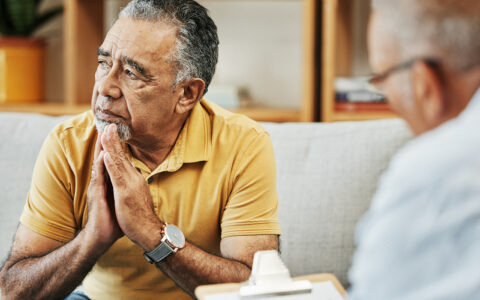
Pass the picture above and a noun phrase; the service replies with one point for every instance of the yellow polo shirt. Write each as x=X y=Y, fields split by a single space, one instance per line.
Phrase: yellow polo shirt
x=218 y=181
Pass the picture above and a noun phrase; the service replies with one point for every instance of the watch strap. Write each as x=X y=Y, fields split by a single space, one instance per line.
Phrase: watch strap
x=158 y=254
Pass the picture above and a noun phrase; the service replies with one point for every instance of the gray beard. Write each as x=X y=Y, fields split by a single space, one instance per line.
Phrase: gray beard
x=123 y=130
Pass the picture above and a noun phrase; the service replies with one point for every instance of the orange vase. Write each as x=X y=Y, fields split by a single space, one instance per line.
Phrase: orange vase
x=22 y=68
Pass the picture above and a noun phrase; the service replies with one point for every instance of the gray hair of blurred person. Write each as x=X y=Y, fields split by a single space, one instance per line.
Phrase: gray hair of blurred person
x=446 y=30
x=196 y=52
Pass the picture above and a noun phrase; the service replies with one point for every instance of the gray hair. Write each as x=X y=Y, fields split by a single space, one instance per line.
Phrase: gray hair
x=124 y=132
x=196 y=52
x=442 y=29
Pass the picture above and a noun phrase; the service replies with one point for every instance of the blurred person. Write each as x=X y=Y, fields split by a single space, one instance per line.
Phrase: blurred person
x=110 y=185
x=420 y=237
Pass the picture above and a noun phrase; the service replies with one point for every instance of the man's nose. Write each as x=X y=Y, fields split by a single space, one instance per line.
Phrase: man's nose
x=109 y=87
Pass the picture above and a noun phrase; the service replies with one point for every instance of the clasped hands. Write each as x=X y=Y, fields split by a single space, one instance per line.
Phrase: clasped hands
x=119 y=200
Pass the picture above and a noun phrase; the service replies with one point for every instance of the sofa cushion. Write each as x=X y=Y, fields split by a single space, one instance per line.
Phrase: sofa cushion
x=21 y=137
x=326 y=175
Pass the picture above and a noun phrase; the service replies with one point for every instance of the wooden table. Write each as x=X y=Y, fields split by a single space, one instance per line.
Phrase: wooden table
x=204 y=290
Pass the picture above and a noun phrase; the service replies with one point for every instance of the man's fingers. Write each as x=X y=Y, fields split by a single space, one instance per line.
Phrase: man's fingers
x=114 y=168
x=117 y=163
x=100 y=164
x=111 y=141
x=98 y=146
x=98 y=168
x=115 y=138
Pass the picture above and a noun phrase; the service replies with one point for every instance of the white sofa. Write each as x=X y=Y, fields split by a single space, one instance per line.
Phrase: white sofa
x=327 y=174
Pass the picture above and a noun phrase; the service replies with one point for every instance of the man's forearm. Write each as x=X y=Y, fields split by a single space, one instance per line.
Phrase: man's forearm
x=50 y=276
x=192 y=266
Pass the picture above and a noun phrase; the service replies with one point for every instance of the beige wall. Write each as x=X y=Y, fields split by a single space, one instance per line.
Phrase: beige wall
x=260 y=48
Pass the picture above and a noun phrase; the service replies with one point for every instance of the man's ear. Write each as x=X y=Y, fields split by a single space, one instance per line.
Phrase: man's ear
x=192 y=91
x=428 y=93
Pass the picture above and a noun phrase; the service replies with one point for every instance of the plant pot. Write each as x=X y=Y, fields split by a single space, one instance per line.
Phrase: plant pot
x=22 y=70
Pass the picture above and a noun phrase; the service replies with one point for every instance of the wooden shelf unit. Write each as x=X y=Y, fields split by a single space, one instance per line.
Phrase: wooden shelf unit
x=336 y=60
x=52 y=109
x=327 y=53
x=83 y=23
x=360 y=112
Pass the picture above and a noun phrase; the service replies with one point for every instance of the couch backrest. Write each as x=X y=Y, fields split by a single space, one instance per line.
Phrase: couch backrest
x=21 y=136
x=327 y=174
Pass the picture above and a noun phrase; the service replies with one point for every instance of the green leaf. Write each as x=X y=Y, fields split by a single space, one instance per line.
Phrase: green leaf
x=4 y=20
x=22 y=15
x=45 y=17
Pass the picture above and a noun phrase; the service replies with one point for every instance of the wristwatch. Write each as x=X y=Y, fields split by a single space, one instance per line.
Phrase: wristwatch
x=173 y=239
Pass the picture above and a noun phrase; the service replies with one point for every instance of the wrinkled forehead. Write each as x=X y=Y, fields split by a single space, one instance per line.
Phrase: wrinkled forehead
x=383 y=46
x=139 y=39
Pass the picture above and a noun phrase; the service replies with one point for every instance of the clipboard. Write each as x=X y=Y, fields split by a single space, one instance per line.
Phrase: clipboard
x=271 y=279
x=204 y=290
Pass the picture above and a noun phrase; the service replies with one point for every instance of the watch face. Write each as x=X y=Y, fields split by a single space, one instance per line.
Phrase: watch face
x=175 y=236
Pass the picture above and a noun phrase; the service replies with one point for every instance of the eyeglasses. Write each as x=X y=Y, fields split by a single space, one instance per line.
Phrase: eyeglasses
x=377 y=79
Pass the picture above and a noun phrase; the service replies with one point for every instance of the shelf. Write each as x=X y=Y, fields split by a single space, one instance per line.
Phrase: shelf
x=58 y=109
x=361 y=111
x=52 y=109
x=270 y=114
x=337 y=60
x=361 y=107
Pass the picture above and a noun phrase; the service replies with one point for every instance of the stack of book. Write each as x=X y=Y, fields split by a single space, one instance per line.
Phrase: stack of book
x=356 y=90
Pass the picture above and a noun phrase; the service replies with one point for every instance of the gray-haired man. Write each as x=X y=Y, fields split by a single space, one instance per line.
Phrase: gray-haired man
x=165 y=166
x=420 y=238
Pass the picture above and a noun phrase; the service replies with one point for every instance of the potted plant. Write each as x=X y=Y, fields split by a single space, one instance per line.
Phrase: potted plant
x=22 y=57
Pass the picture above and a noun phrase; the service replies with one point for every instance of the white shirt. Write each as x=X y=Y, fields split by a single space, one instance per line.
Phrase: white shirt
x=420 y=238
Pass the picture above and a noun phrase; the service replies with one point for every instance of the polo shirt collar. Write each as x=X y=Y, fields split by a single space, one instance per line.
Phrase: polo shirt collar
x=198 y=135
x=193 y=144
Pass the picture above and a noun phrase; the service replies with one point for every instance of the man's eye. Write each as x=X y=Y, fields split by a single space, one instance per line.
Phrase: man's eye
x=103 y=63
x=130 y=74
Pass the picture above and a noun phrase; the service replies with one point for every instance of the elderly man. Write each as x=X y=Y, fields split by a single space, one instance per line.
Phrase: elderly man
x=113 y=209
x=420 y=238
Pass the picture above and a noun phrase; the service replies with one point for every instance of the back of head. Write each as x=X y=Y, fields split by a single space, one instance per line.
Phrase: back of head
x=435 y=46
x=443 y=29
x=196 y=55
